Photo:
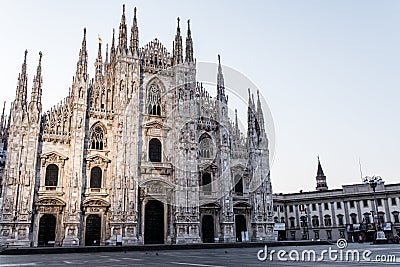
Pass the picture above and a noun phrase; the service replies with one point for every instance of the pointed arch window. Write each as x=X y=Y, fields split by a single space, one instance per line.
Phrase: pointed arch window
x=95 y=177
x=206 y=147
x=97 y=137
x=155 y=150
x=51 y=178
x=154 y=100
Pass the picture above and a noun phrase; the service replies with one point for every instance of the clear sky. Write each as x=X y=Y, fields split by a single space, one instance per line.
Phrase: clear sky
x=329 y=70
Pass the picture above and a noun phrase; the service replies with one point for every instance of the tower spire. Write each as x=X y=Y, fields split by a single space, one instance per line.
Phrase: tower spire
x=112 y=52
x=189 y=45
x=99 y=60
x=122 y=37
x=21 y=92
x=260 y=115
x=81 y=69
x=2 y=129
x=321 y=178
x=177 y=54
x=220 y=83
x=134 y=46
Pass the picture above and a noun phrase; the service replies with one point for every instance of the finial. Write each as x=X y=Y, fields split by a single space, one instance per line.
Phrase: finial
x=188 y=22
x=134 y=13
x=26 y=53
x=219 y=60
x=100 y=40
x=84 y=32
x=178 y=19
x=123 y=9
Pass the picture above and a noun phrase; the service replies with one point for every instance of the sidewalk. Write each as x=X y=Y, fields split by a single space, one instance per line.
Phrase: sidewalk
x=93 y=249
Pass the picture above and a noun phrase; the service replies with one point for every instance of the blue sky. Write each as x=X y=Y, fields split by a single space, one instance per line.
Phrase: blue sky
x=329 y=70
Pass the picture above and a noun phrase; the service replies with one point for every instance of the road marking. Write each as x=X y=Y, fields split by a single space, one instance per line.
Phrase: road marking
x=17 y=264
x=195 y=264
x=113 y=260
x=68 y=262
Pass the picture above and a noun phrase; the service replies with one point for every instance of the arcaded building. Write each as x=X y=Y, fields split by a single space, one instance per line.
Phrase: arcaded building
x=138 y=153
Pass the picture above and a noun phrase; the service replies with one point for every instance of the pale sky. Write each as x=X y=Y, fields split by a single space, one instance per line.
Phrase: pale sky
x=329 y=70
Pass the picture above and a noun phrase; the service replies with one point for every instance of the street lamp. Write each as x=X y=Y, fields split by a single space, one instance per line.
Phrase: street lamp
x=373 y=182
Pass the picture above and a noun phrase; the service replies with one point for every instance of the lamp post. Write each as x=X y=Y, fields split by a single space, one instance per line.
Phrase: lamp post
x=373 y=182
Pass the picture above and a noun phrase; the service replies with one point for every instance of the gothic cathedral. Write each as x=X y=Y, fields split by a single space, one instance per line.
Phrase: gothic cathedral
x=138 y=154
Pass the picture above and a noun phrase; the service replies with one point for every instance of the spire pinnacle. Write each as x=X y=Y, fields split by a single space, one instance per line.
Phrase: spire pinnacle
x=36 y=96
x=220 y=83
x=122 y=38
x=2 y=126
x=21 y=91
x=99 y=60
x=321 y=178
x=112 y=52
x=81 y=69
x=189 y=44
x=134 y=45
x=178 y=50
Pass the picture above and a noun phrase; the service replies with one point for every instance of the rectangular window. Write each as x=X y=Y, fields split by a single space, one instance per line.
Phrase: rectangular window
x=316 y=234
x=329 y=234
x=314 y=206
x=281 y=208
x=338 y=205
x=396 y=217
x=340 y=220
x=379 y=202
x=342 y=234
x=291 y=208
x=275 y=208
x=394 y=201
x=326 y=206
x=365 y=203
x=351 y=204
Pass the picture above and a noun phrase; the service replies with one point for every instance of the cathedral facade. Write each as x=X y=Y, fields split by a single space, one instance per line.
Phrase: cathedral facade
x=138 y=154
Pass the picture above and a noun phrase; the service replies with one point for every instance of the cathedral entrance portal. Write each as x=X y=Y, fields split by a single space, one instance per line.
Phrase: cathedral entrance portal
x=240 y=223
x=207 y=228
x=154 y=222
x=93 y=230
x=47 y=230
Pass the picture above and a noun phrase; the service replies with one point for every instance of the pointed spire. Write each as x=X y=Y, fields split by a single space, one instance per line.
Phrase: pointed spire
x=321 y=178
x=112 y=52
x=36 y=96
x=81 y=69
x=2 y=126
x=122 y=37
x=189 y=45
x=236 y=122
x=178 y=53
x=99 y=60
x=134 y=46
x=220 y=83
x=260 y=115
x=21 y=92
x=320 y=172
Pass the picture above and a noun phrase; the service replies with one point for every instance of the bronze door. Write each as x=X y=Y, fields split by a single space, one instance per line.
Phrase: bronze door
x=93 y=230
x=47 y=230
x=207 y=227
x=154 y=223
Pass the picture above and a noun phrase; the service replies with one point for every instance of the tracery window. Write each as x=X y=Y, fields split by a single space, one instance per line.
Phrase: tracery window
x=95 y=177
x=154 y=100
x=97 y=137
x=51 y=178
x=206 y=148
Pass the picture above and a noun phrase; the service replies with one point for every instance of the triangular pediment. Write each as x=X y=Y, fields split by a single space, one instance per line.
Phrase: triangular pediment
x=53 y=154
x=49 y=202
x=155 y=124
x=98 y=158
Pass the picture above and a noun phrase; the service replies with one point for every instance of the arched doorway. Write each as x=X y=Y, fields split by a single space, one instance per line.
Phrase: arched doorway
x=240 y=223
x=154 y=222
x=207 y=229
x=47 y=230
x=93 y=230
